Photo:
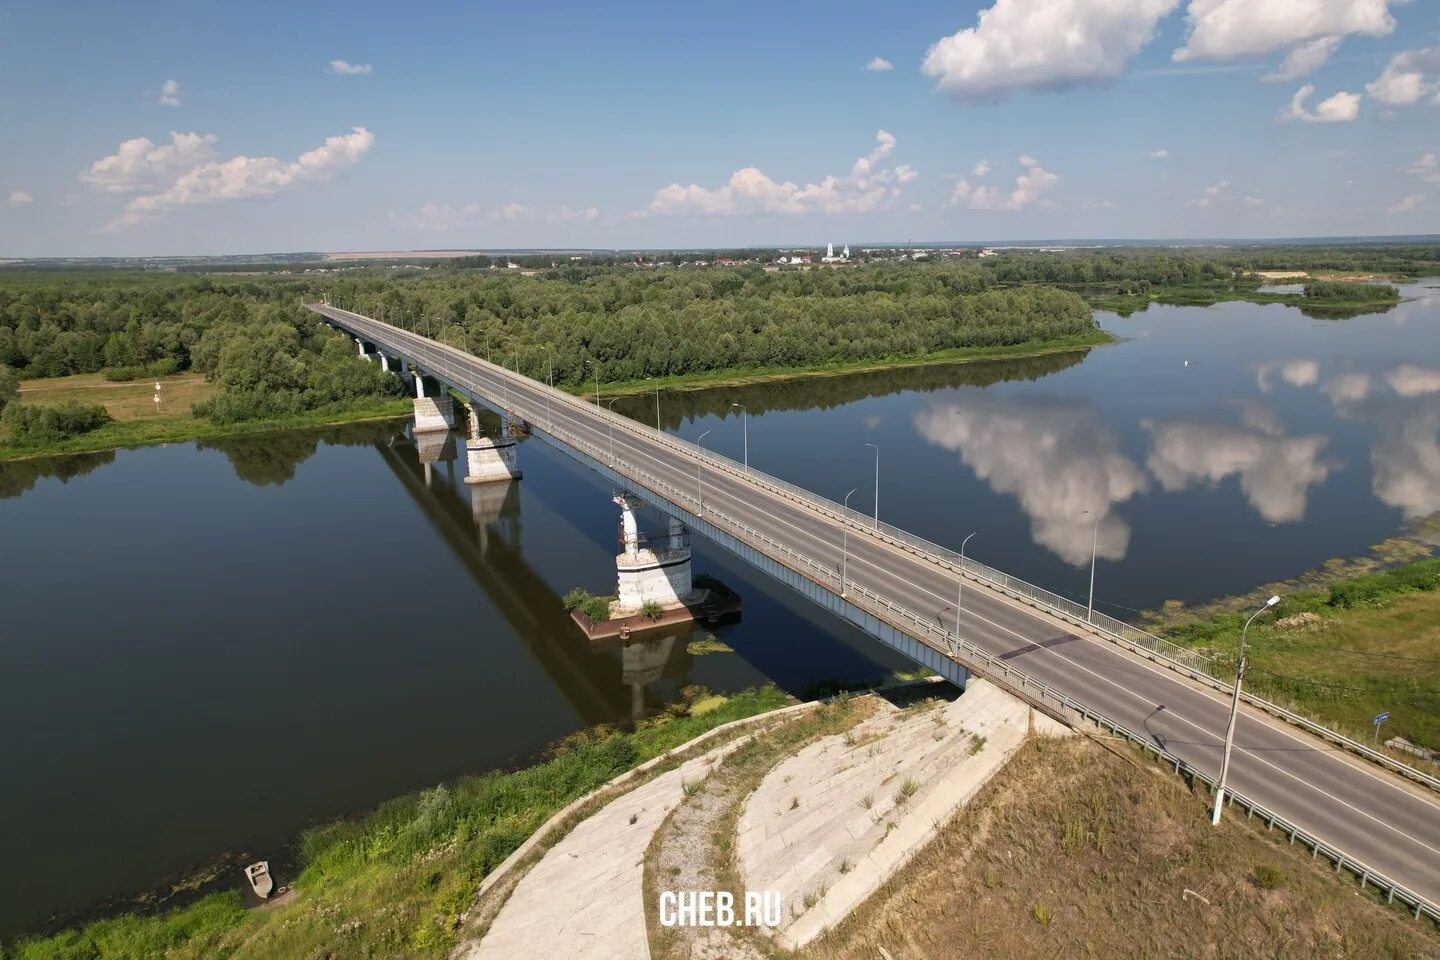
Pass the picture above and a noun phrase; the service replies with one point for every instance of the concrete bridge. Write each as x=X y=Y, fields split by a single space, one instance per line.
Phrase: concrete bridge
x=1318 y=787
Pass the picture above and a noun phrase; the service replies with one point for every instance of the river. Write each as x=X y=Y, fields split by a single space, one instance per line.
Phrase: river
x=209 y=646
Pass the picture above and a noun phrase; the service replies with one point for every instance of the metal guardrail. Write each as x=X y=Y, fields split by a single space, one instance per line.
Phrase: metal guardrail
x=1158 y=650
x=953 y=646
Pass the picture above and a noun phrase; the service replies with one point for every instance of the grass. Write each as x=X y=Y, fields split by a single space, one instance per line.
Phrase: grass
x=740 y=376
x=1076 y=851
x=707 y=644
x=1363 y=645
x=392 y=883
x=1206 y=295
x=138 y=423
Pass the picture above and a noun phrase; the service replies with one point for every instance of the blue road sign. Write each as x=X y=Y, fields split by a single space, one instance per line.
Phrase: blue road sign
x=1381 y=717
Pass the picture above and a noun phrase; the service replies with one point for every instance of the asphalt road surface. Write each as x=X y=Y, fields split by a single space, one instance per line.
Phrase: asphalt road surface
x=1393 y=827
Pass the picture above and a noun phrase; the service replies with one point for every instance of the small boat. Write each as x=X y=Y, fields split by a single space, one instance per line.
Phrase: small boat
x=258 y=873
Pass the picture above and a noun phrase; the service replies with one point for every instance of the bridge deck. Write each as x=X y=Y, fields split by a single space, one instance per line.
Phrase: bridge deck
x=1391 y=827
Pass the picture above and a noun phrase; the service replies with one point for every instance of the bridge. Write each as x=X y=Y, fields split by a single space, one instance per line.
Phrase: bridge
x=957 y=617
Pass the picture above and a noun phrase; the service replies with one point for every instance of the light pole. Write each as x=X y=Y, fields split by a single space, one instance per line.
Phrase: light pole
x=1094 y=550
x=877 y=483
x=844 y=544
x=1234 y=708
x=611 y=407
x=960 y=584
x=745 y=431
x=699 y=465
x=597 y=380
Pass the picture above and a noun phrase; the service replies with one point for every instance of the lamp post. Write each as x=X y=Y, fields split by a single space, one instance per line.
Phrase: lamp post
x=745 y=431
x=597 y=380
x=699 y=480
x=844 y=544
x=1094 y=551
x=877 y=483
x=611 y=407
x=960 y=583
x=1234 y=708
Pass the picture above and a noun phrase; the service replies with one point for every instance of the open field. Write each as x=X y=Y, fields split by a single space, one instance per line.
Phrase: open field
x=123 y=401
x=1075 y=851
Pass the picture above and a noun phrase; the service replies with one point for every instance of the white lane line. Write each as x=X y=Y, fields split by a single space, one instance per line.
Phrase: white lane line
x=572 y=418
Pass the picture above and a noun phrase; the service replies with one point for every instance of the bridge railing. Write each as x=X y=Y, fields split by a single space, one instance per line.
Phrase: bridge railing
x=1158 y=650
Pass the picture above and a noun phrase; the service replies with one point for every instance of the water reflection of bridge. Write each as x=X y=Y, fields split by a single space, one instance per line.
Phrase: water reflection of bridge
x=481 y=524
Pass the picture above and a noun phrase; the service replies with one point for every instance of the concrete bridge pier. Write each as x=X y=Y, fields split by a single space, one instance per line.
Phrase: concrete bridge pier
x=491 y=459
x=650 y=572
x=360 y=345
x=432 y=414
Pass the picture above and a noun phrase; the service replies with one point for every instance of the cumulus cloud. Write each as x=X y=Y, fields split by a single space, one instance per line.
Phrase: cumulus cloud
x=750 y=191
x=1210 y=195
x=1161 y=154
x=1042 y=45
x=1056 y=457
x=1408 y=204
x=1405 y=464
x=1224 y=29
x=346 y=69
x=879 y=64
x=1426 y=168
x=244 y=177
x=1342 y=107
x=1347 y=389
x=1297 y=373
x=981 y=169
x=1410 y=380
x=1410 y=76
x=20 y=198
x=1031 y=186
x=1276 y=472
x=170 y=93
x=1304 y=59
x=139 y=164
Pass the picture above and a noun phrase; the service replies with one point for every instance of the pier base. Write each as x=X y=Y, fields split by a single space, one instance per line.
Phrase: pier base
x=434 y=414
x=491 y=460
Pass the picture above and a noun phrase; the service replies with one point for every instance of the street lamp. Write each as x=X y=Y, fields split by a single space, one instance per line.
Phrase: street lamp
x=597 y=380
x=1234 y=708
x=844 y=543
x=1094 y=549
x=877 y=483
x=745 y=431
x=960 y=584
x=699 y=465
x=611 y=407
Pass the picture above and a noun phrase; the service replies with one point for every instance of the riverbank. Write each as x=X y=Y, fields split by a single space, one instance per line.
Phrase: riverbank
x=135 y=422
x=1209 y=295
x=1341 y=651
x=744 y=376
x=392 y=883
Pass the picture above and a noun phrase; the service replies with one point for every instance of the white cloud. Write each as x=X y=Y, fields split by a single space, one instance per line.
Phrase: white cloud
x=1304 y=59
x=1347 y=388
x=1210 y=194
x=750 y=191
x=879 y=64
x=981 y=169
x=170 y=93
x=1161 y=154
x=564 y=214
x=1223 y=29
x=1339 y=108
x=1042 y=45
x=1297 y=373
x=243 y=177
x=347 y=69
x=1030 y=189
x=1409 y=204
x=1426 y=168
x=139 y=164
x=1410 y=380
x=1409 y=76
x=1405 y=464
x=1276 y=472
x=19 y=198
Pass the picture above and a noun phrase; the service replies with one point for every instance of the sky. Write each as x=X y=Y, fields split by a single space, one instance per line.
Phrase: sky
x=190 y=128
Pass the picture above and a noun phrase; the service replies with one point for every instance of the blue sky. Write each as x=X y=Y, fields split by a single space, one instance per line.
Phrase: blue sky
x=662 y=123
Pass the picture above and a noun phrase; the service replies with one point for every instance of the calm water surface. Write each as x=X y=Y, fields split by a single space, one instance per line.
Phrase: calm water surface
x=209 y=646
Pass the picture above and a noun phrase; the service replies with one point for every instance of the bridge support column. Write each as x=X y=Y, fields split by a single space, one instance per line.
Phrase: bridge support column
x=384 y=362
x=490 y=459
x=656 y=572
x=360 y=344
x=432 y=414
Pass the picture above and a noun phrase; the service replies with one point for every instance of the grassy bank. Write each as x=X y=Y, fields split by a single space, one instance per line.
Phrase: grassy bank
x=1207 y=295
x=1341 y=653
x=391 y=884
x=741 y=376
x=1075 y=851
x=137 y=422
